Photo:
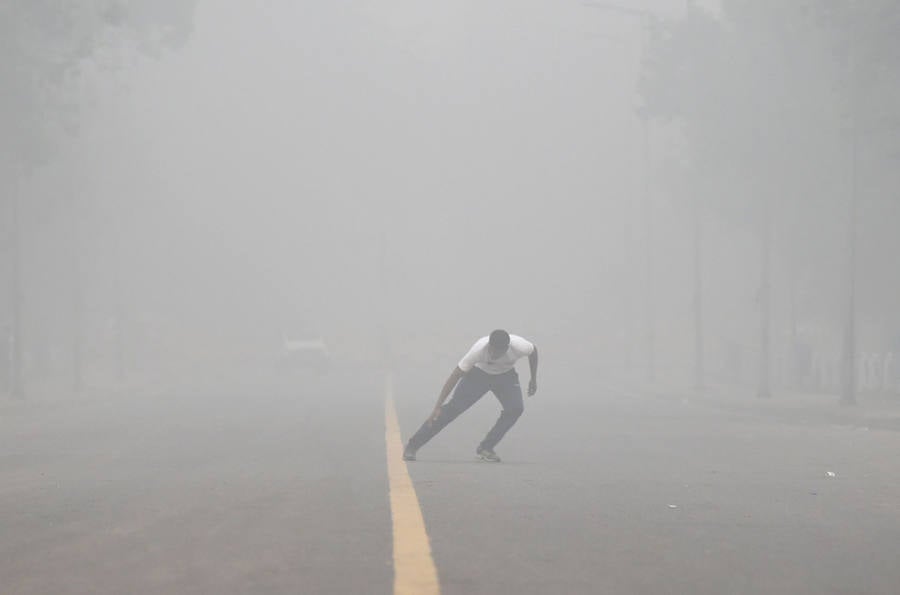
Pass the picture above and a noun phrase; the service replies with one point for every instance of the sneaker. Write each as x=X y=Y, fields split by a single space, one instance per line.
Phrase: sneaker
x=488 y=455
x=409 y=454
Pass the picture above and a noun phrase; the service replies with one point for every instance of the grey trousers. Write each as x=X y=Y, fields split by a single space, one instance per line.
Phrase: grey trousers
x=472 y=387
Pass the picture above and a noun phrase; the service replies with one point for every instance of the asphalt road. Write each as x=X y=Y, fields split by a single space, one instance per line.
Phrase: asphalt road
x=279 y=486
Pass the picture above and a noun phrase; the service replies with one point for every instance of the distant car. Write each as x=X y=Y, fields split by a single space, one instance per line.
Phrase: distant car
x=305 y=353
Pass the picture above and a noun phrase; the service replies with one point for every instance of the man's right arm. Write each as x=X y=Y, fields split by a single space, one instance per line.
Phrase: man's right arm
x=454 y=377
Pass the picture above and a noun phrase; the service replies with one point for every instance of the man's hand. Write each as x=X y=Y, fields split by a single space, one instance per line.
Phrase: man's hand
x=434 y=415
x=532 y=363
x=454 y=377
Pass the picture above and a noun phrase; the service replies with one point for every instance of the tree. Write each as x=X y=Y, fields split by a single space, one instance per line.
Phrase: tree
x=43 y=46
x=864 y=39
x=754 y=92
x=788 y=109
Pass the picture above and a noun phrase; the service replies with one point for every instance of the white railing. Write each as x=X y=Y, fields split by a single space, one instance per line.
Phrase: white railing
x=879 y=372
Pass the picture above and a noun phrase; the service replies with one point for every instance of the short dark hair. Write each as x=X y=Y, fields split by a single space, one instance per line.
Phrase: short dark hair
x=499 y=339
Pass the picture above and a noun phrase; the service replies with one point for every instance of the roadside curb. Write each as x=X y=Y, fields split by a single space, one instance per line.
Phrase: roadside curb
x=801 y=408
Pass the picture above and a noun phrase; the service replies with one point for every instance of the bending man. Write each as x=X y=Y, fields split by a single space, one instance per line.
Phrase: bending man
x=488 y=366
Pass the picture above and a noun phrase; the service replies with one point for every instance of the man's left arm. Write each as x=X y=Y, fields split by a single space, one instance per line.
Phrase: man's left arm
x=533 y=364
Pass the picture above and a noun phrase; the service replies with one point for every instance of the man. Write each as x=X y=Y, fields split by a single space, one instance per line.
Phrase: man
x=488 y=366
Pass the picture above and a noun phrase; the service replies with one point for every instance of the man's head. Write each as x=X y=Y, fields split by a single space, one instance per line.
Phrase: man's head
x=498 y=343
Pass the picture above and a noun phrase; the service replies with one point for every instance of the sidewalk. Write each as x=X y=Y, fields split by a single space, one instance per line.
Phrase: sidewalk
x=56 y=393
x=871 y=411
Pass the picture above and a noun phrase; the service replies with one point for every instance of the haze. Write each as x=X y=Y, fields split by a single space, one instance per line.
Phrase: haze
x=236 y=238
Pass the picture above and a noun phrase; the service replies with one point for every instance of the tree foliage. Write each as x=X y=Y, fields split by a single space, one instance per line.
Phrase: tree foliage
x=44 y=44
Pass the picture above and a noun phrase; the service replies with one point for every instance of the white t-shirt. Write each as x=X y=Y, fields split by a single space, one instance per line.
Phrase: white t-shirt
x=479 y=358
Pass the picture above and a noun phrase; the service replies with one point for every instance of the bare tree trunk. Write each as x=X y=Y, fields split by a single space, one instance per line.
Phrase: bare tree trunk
x=17 y=382
x=630 y=294
x=796 y=374
x=385 y=330
x=77 y=306
x=649 y=289
x=764 y=388
x=698 y=297
x=119 y=329
x=848 y=355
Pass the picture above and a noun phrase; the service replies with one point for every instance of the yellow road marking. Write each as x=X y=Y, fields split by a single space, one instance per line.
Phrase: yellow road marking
x=414 y=570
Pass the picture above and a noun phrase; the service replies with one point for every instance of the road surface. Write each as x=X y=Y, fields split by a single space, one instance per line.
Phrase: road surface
x=280 y=485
